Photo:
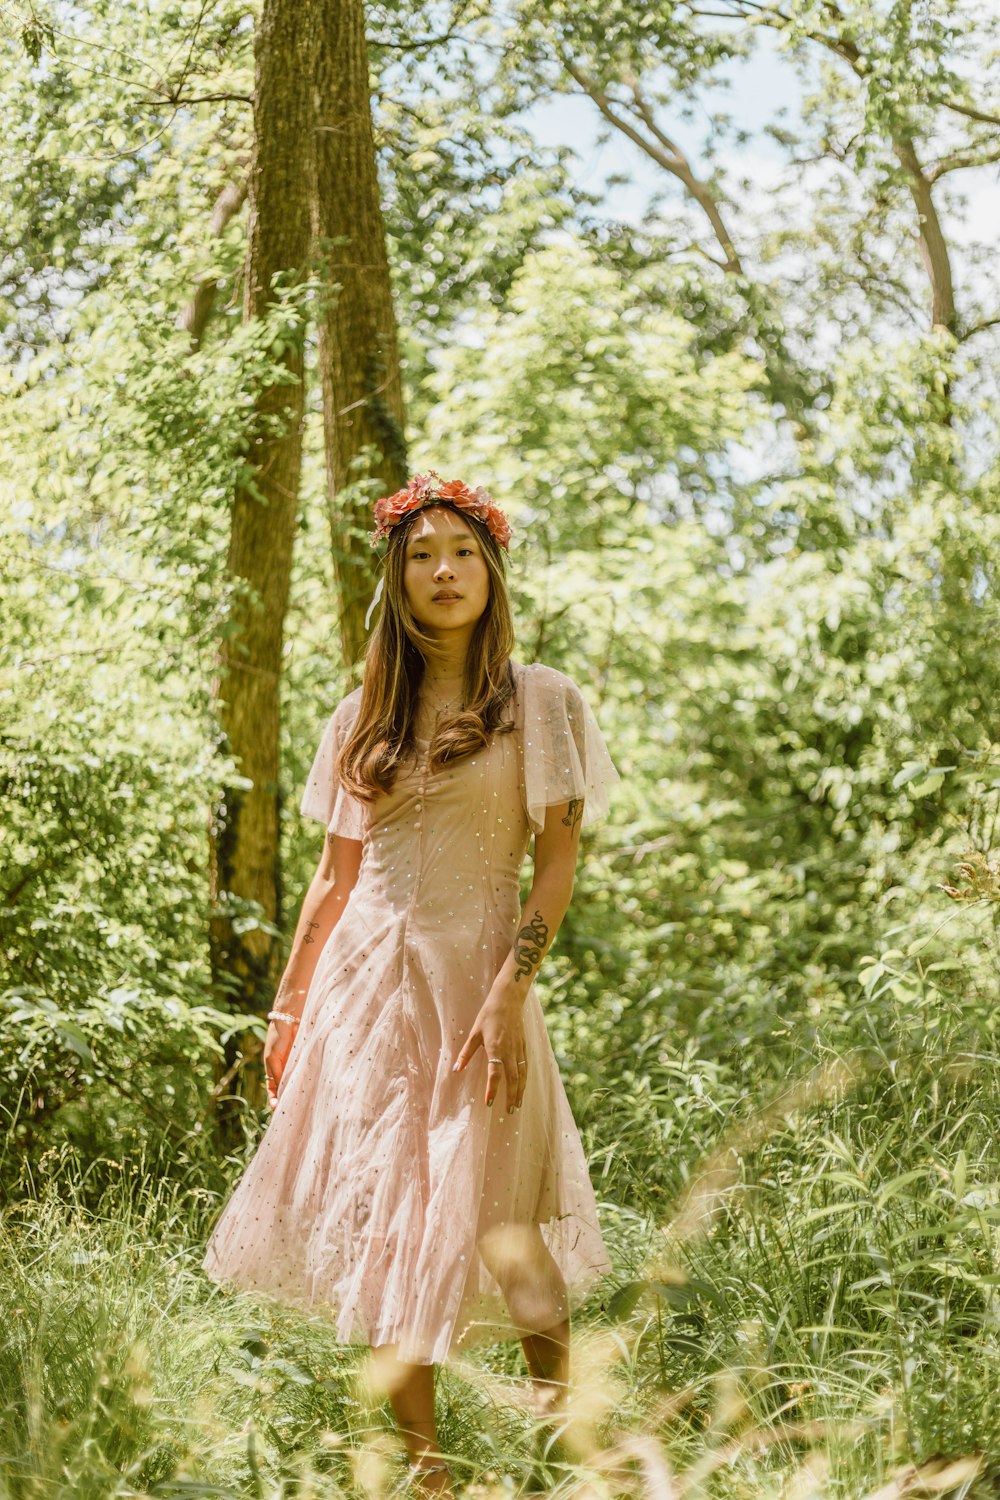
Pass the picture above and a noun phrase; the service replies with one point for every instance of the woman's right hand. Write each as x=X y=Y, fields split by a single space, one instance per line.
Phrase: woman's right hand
x=277 y=1046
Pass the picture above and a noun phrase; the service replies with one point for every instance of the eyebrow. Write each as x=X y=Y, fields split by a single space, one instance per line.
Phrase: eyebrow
x=459 y=536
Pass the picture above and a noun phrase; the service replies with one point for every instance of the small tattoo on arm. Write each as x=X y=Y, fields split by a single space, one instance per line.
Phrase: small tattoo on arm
x=528 y=945
x=574 y=812
x=307 y=936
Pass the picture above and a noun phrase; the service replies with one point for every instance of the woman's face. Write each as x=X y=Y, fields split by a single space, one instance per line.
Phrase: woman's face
x=445 y=577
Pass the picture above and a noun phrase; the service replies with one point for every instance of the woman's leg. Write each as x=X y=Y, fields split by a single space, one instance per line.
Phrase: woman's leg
x=518 y=1258
x=547 y=1356
x=410 y=1389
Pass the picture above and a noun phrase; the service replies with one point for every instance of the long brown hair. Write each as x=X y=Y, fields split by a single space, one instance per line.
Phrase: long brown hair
x=395 y=657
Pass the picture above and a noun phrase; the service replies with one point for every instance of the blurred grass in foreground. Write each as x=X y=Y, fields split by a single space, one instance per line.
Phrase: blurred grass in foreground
x=818 y=1318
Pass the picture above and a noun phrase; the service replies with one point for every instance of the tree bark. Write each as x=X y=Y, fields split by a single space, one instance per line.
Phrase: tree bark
x=363 y=418
x=196 y=314
x=244 y=835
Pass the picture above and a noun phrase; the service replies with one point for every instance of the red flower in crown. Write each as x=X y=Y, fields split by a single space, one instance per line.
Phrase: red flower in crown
x=426 y=489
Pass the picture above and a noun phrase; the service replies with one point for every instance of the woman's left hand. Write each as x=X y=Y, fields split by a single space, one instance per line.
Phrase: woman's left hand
x=277 y=1046
x=499 y=1029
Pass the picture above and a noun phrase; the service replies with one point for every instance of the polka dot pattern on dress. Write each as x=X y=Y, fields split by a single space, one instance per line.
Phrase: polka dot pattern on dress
x=383 y=1188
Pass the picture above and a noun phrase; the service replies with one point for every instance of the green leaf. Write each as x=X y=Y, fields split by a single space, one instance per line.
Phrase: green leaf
x=623 y=1301
x=909 y=772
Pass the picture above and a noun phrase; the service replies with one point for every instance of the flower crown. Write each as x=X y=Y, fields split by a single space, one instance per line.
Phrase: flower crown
x=427 y=489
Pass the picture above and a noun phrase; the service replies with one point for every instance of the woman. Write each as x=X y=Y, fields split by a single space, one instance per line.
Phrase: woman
x=388 y=1184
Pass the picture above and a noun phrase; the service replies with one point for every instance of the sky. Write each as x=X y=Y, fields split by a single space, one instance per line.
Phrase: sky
x=765 y=88
x=760 y=87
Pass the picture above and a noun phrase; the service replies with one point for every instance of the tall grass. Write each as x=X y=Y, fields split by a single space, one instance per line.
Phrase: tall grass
x=817 y=1315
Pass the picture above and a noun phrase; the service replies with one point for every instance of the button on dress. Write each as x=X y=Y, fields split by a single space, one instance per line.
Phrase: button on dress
x=381 y=1169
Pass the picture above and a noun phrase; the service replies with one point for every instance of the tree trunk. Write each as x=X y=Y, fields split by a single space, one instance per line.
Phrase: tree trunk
x=363 y=417
x=244 y=835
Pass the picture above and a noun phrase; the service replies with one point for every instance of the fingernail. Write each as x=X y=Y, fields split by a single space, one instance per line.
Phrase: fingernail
x=454 y=1067
x=488 y=1103
x=510 y=1109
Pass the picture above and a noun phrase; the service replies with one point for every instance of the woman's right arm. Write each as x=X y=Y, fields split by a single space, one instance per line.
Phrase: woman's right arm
x=322 y=908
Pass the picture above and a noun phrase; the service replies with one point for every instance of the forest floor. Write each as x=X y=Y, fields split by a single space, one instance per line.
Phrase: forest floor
x=820 y=1317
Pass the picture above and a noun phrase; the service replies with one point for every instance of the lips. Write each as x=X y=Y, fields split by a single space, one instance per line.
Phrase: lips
x=448 y=595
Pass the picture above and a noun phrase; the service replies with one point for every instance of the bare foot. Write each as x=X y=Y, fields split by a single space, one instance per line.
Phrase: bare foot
x=546 y=1398
x=430 y=1478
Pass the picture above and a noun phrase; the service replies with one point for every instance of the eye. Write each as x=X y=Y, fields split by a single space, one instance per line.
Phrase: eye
x=466 y=549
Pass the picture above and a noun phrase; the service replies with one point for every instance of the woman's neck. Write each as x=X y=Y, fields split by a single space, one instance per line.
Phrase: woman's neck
x=447 y=673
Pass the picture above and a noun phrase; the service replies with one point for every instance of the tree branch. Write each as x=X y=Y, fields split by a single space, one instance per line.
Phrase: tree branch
x=968 y=110
x=207 y=99
x=195 y=316
x=959 y=160
x=660 y=149
x=967 y=333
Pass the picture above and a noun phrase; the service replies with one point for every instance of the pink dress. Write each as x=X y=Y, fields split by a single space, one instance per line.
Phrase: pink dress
x=380 y=1168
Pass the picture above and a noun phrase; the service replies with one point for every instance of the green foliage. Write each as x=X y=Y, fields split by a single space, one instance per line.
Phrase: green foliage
x=107 y=1020
x=116 y=484
x=755 y=518
x=824 y=1293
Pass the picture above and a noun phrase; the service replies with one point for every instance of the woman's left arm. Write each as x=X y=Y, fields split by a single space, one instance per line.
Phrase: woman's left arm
x=499 y=1027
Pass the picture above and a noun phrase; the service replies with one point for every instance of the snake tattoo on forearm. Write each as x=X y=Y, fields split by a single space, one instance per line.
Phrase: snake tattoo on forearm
x=529 y=945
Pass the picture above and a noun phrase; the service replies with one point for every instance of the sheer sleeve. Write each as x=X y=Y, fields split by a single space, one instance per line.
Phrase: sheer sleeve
x=324 y=798
x=565 y=755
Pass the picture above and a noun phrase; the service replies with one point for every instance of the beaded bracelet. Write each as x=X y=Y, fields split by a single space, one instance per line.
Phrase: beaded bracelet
x=283 y=1015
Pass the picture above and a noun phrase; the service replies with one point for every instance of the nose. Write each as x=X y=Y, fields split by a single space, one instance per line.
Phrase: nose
x=443 y=569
